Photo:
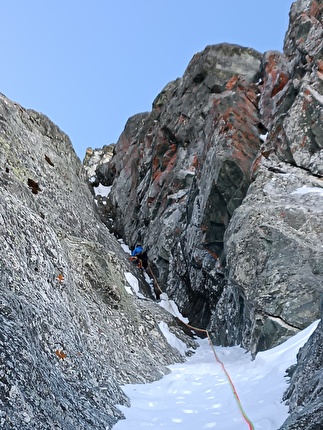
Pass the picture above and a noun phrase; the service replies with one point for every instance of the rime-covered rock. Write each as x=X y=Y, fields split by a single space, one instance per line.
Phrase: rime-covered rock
x=274 y=253
x=273 y=242
x=304 y=395
x=70 y=333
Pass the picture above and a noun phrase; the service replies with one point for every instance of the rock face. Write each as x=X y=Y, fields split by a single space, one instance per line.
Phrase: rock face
x=180 y=171
x=273 y=244
x=222 y=183
x=70 y=334
x=304 y=394
x=274 y=260
x=181 y=178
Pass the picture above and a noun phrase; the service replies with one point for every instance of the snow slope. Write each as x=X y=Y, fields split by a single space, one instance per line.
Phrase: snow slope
x=196 y=395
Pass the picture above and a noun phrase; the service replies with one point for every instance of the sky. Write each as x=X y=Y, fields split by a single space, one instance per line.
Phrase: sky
x=199 y=393
x=91 y=65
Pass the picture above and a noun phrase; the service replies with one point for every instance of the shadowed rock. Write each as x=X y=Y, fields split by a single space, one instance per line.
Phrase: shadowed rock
x=70 y=334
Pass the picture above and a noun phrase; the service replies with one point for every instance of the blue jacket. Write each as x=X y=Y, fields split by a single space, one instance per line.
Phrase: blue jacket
x=137 y=251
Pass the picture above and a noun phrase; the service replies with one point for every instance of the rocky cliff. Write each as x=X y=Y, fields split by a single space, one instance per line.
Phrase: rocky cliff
x=210 y=181
x=70 y=333
x=222 y=183
x=179 y=173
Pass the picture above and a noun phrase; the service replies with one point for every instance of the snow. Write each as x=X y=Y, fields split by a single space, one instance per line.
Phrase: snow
x=171 y=307
x=179 y=194
x=307 y=190
x=102 y=190
x=134 y=285
x=124 y=246
x=172 y=339
x=263 y=137
x=196 y=395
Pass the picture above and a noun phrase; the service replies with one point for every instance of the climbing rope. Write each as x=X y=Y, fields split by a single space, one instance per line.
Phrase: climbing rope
x=201 y=330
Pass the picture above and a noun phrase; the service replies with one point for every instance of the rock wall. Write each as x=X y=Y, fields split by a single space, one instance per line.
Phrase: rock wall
x=210 y=181
x=70 y=334
x=274 y=242
x=180 y=171
x=222 y=182
x=304 y=394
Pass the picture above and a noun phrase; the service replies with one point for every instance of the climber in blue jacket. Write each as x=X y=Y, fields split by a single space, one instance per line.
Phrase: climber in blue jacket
x=140 y=256
x=138 y=250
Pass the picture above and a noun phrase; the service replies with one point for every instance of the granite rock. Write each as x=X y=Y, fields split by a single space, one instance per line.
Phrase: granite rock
x=70 y=333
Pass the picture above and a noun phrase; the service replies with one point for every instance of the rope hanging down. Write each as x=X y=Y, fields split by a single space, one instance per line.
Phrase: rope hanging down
x=201 y=330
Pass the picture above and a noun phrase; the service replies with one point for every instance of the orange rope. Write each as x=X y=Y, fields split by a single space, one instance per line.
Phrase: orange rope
x=235 y=393
x=236 y=396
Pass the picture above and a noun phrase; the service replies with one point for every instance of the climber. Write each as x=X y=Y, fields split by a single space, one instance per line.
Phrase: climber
x=139 y=256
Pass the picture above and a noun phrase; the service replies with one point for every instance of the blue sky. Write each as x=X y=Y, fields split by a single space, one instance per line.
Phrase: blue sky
x=90 y=65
